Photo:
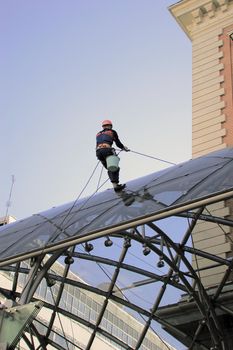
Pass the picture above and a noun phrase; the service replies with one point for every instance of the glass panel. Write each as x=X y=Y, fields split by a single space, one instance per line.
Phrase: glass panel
x=195 y=179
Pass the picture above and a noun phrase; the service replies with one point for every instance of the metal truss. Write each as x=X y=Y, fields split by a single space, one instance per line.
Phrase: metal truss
x=173 y=256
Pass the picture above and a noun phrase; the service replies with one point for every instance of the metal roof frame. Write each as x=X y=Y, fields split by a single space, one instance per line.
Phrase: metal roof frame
x=142 y=229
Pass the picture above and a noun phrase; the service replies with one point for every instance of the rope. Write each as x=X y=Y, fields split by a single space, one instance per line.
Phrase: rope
x=221 y=228
x=9 y=199
x=104 y=270
x=159 y=159
x=73 y=205
x=59 y=318
x=77 y=198
x=98 y=185
x=69 y=212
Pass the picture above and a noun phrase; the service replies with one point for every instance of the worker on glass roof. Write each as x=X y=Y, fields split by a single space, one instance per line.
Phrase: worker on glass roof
x=104 y=149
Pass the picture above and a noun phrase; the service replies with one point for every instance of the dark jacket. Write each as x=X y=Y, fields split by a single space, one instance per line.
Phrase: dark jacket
x=108 y=136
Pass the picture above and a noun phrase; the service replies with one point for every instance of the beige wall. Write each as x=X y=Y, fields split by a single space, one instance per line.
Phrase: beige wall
x=208 y=25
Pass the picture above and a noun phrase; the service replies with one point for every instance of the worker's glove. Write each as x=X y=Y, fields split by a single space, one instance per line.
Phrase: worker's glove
x=126 y=149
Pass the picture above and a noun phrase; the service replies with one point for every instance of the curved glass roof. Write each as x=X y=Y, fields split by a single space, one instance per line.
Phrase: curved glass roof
x=136 y=263
x=178 y=188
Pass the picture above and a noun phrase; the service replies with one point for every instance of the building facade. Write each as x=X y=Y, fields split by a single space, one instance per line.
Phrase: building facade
x=209 y=25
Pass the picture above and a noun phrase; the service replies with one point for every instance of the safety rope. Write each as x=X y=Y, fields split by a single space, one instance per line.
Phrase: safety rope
x=152 y=157
x=60 y=321
x=73 y=205
x=221 y=228
x=99 y=186
x=193 y=243
x=104 y=270
x=77 y=198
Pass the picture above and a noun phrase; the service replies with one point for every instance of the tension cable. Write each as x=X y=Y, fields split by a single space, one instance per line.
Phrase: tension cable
x=156 y=158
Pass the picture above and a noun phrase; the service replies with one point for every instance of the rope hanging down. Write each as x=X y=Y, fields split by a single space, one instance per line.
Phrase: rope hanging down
x=99 y=186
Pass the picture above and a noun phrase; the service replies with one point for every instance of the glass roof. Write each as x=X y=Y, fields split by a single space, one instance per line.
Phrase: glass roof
x=158 y=193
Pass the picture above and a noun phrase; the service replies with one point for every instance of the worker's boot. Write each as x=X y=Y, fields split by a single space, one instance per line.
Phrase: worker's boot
x=118 y=187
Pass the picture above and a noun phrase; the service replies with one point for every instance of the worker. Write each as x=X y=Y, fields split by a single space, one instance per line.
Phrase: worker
x=104 y=142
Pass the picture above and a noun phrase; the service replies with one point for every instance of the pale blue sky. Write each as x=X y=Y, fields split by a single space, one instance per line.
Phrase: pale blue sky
x=67 y=65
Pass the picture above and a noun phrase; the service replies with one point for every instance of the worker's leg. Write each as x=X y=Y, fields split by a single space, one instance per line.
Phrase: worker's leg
x=114 y=176
x=102 y=154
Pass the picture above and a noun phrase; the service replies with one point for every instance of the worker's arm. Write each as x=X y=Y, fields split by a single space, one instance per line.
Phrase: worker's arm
x=118 y=142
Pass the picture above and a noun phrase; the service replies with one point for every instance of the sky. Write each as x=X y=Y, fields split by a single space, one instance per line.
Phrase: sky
x=67 y=65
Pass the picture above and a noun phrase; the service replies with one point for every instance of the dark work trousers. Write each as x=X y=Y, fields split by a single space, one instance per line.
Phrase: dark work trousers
x=102 y=154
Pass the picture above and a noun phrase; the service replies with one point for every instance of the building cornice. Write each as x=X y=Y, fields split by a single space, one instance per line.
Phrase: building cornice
x=189 y=13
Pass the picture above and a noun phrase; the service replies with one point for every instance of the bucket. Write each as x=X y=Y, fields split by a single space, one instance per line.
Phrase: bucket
x=112 y=163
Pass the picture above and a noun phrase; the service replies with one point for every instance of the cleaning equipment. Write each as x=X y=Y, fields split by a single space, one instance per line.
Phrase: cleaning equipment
x=113 y=163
